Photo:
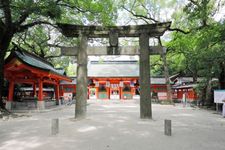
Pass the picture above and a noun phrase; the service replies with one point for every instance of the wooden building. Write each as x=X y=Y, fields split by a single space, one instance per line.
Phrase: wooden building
x=184 y=87
x=68 y=89
x=29 y=70
x=115 y=79
x=185 y=90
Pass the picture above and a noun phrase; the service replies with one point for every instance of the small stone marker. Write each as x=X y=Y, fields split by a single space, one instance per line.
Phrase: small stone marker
x=55 y=126
x=167 y=127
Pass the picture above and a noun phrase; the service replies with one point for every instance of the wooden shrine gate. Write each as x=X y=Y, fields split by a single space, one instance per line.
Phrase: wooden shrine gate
x=144 y=32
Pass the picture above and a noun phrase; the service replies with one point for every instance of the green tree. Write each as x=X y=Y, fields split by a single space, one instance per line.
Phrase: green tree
x=202 y=49
x=17 y=16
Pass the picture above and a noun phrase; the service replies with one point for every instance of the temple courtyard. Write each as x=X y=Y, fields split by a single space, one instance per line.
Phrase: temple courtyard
x=114 y=125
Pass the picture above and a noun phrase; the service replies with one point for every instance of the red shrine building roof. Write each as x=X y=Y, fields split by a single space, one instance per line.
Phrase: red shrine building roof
x=26 y=64
x=26 y=68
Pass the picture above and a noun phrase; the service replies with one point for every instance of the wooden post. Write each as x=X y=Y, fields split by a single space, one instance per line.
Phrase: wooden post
x=96 y=93
x=40 y=103
x=55 y=126
x=82 y=82
x=108 y=93
x=40 y=91
x=167 y=127
x=11 y=90
x=10 y=95
x=145 y=95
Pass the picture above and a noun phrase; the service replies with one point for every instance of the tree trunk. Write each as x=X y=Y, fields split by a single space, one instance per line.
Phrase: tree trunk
x=4 y=44
x=203 y=96
x=208 y=96
x=166 y=73
x=2 y=106
x=195 y=77
x=222 y=76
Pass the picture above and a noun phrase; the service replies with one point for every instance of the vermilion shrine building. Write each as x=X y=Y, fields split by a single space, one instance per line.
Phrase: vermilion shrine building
x=185 y=86
x=114 y=79
x=22 y=67
x=119 y=79
x=108 y=79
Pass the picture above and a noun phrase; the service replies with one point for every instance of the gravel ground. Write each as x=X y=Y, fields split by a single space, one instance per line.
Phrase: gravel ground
x=115 y=125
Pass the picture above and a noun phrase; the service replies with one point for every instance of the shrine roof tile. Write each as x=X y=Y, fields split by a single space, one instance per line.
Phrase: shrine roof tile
x=35 y=61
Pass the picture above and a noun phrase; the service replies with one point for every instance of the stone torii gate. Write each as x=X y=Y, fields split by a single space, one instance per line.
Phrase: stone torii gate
x=144 y=32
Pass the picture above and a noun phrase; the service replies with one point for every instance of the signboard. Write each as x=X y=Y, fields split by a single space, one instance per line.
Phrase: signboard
x=68 y=96
x=162 y=95
x=219 y=96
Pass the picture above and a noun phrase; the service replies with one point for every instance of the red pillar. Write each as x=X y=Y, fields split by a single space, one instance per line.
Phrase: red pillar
x=40 y=103
x=40 y=91
x=108 y=92
x=57 y=92
x=11 y=90
x=96 y=92
x=121 y=93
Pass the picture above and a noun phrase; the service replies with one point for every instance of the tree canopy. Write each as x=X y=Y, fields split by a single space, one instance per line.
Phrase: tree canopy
x=18 y=16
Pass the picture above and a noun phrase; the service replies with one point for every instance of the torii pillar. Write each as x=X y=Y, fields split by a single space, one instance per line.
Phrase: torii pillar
x=82 y=82
x=145 y=93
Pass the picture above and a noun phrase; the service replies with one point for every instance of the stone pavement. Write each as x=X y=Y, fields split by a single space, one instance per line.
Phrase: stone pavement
x=115 y=125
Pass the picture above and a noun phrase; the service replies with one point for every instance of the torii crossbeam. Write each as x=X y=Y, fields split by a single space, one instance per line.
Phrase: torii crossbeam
x=144 y=32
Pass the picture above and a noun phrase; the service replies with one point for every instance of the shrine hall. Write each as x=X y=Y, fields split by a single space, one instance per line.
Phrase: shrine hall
x=24 y=68
x=114 y=78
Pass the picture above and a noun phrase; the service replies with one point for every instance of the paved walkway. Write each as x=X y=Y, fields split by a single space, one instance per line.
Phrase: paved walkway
x=115 y=125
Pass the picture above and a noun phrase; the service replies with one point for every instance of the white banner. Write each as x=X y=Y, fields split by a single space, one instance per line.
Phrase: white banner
x=219 y=96
x=121 y=83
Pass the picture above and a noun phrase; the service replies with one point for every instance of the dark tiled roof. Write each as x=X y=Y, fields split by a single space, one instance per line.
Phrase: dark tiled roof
x=113 y=69
x=184 y=86
x=61 y=71
x=36 y=61
x=74 y=81
x=33 y=61
x=118 y=69
x=154 y=80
